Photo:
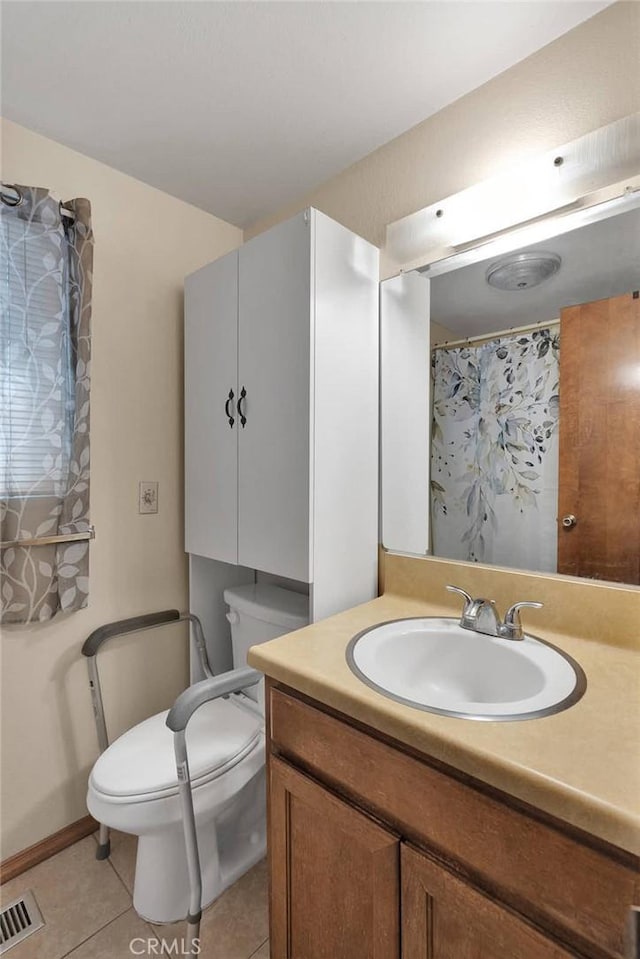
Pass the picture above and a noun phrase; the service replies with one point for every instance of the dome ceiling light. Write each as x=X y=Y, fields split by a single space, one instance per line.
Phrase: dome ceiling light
x=521 y=271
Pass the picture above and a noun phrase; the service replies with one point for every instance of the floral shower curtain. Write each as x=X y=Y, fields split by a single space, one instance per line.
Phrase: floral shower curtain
x=45 y=348
x=494 y=461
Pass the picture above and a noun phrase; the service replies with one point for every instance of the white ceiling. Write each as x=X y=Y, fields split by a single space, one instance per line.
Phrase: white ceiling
x=243 y=107
x=598 y=261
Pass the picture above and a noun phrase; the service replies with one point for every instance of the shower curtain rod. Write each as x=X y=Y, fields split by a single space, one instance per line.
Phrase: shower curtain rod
x=487 y=337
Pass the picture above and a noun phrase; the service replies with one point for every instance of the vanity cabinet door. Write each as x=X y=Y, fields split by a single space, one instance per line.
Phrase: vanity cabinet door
x=335 y=875
x=446 y=918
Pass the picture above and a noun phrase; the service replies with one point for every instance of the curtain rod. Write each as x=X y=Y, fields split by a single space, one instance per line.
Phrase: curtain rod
x=487 y=337
x=14 y=198
x=49 y=540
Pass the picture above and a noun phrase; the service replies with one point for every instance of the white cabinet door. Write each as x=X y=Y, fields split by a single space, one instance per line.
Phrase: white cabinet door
x=211 y=445
x=274 y=372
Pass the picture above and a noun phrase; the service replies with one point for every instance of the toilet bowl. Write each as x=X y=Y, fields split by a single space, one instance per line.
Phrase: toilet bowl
x=133 y=785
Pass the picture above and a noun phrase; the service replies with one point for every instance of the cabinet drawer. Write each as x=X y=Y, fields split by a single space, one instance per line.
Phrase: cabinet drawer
x=580 y=893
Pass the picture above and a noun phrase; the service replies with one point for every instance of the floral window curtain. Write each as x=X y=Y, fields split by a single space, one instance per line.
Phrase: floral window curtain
x=45 y=348
x=494 y=461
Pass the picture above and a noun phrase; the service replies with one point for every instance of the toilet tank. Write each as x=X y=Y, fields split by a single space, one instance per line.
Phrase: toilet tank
x=260 y=612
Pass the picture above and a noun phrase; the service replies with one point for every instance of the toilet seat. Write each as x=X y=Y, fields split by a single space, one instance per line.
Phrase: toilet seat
x=140 y=765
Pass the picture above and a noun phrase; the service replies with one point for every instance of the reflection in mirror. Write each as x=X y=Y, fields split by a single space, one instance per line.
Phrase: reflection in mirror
x=535 y=447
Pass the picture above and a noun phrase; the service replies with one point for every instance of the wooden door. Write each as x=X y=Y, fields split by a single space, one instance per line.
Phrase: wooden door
x=275 y=373
x=444 y=917
x=211 y=445
x=334 y=875
x=600 y=440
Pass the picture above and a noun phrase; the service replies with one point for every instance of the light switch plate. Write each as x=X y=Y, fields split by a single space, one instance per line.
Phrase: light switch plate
x=148 y=497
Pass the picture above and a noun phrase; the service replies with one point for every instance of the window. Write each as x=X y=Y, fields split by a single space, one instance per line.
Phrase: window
x=36 y=381
x=46 y=267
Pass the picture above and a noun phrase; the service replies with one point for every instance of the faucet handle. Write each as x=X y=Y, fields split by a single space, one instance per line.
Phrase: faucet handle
x=512 y=627
x=457 y=589
x=469 y=602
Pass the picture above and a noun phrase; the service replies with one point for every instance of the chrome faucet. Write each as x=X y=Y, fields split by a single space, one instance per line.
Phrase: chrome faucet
x=481 y=616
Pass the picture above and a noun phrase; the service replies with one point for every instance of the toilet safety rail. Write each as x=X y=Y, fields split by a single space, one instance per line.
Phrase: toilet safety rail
x=90 y=648
x=179 y=715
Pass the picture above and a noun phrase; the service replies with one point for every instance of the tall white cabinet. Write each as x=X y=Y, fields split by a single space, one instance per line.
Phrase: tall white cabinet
x=281 y=407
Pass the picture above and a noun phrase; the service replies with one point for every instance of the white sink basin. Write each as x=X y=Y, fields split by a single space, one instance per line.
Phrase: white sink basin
x=436 y=665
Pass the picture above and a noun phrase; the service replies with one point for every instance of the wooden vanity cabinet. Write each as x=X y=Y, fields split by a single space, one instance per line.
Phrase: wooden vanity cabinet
x=339 y=878
x=380 y=853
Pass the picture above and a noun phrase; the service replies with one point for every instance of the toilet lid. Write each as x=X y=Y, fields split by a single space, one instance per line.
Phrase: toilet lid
x=142 y=761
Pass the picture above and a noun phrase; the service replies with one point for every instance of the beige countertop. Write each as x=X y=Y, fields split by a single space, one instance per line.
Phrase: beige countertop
x=581 y=765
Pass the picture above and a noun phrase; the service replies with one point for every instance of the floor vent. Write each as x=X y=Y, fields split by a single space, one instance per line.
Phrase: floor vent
x=18 y=920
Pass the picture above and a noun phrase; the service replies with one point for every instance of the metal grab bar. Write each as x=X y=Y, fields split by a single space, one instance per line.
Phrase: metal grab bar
x=49 y=540
x=90 y=648
x=179 y=715
x=134 y=624
x=207 y=689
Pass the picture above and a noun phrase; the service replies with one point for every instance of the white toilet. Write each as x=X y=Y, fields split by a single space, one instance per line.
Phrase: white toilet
x=133 y=784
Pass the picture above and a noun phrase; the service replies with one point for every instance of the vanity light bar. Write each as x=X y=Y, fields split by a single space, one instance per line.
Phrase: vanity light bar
x=533 y=233
x=558 y=181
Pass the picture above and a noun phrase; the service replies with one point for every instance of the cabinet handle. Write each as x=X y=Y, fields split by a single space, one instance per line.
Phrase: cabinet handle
x=227 y=410
x=243 y=418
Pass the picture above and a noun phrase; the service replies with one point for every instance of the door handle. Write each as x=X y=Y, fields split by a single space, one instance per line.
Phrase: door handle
x=569 y=521
x=241 y=414
x=227 y=410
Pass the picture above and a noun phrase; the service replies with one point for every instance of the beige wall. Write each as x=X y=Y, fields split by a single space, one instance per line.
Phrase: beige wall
x=585 y=79
x=146 y=242
x=440 y=334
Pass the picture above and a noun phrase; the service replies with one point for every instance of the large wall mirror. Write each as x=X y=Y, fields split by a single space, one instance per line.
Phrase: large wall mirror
x=511 y=405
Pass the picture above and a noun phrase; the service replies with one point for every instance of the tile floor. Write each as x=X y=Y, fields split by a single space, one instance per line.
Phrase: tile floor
x=88 y=914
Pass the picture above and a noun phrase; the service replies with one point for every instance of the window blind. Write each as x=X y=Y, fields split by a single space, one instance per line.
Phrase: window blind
x=36 y=385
